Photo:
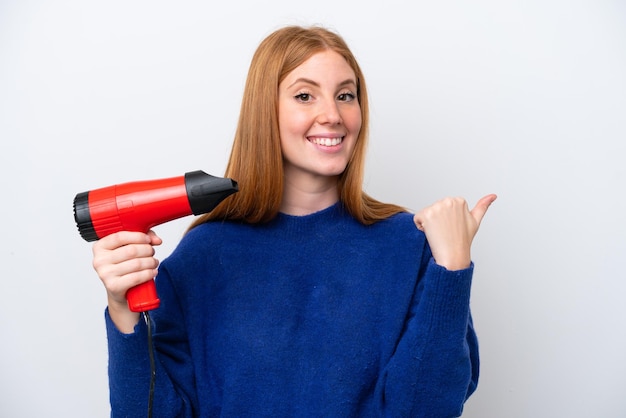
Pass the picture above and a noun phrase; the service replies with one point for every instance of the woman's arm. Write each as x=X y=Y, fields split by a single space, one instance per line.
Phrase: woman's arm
x=124 y=260
x=436 y=364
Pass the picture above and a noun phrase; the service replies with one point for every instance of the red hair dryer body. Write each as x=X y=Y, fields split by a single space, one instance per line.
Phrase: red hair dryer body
x=141 y=205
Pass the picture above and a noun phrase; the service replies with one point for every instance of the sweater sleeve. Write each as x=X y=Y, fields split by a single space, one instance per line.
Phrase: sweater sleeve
x=435 y=366
x=130 y=369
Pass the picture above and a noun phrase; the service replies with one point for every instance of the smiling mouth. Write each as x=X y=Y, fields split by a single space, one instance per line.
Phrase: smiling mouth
x=327 y=142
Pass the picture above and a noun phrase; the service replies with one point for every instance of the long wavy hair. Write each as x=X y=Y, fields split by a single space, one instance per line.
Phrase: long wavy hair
x=256 y=161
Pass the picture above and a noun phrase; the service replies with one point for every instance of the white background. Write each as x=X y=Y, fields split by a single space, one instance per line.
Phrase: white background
x=526 y=99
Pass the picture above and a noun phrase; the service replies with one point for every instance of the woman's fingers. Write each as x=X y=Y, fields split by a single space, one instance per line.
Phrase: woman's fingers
x=450 y=228
x=481 y=207
x=124 y=260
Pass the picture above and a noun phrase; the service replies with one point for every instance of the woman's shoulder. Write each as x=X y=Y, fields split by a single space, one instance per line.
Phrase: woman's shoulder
x=402 y=218
x=401 y=221
x=397 y=231
x=210 y=232
x=203 y=238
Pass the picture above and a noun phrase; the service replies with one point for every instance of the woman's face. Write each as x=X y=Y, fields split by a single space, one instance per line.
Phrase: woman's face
x=319 y=117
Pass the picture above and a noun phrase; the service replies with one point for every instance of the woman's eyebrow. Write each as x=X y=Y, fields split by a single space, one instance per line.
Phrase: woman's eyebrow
x=346 y=82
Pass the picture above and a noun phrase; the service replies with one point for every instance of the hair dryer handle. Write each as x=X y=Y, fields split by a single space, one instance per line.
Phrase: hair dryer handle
x=143 y=297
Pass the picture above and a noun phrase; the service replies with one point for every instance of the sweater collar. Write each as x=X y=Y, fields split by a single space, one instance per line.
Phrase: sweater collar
x=324 y=216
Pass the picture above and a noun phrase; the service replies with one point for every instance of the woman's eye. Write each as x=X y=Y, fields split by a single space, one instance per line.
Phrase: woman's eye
x=303 y=97
x=346 y=97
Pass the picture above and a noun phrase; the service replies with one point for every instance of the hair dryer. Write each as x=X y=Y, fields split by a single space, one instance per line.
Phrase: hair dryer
x=141 y=205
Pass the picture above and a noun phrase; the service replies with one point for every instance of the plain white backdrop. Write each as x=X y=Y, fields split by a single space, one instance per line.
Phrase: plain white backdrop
x=526 y=99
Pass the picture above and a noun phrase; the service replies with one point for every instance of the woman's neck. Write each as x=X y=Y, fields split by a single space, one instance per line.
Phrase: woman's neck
x=303 y=198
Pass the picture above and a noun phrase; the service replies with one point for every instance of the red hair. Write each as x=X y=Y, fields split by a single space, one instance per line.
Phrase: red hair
x=256 y=158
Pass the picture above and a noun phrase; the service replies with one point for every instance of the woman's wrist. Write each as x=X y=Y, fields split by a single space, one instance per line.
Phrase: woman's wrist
x=123 y=318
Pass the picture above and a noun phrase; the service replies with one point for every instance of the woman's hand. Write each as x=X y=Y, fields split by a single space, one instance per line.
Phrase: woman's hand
x=124 y=260
x=450 y=228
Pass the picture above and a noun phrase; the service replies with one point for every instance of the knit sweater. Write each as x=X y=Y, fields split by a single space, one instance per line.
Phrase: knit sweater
x=305 y=316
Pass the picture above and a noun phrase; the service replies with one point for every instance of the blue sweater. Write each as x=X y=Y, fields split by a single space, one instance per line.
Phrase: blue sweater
x=309 y=316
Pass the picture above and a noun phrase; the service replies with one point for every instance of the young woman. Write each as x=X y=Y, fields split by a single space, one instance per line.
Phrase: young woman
x=299 y=295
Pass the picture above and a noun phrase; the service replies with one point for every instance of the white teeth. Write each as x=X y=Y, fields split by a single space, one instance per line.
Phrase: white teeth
x=327 y=142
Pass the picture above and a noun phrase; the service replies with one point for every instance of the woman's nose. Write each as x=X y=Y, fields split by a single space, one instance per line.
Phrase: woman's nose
x=329 y=113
